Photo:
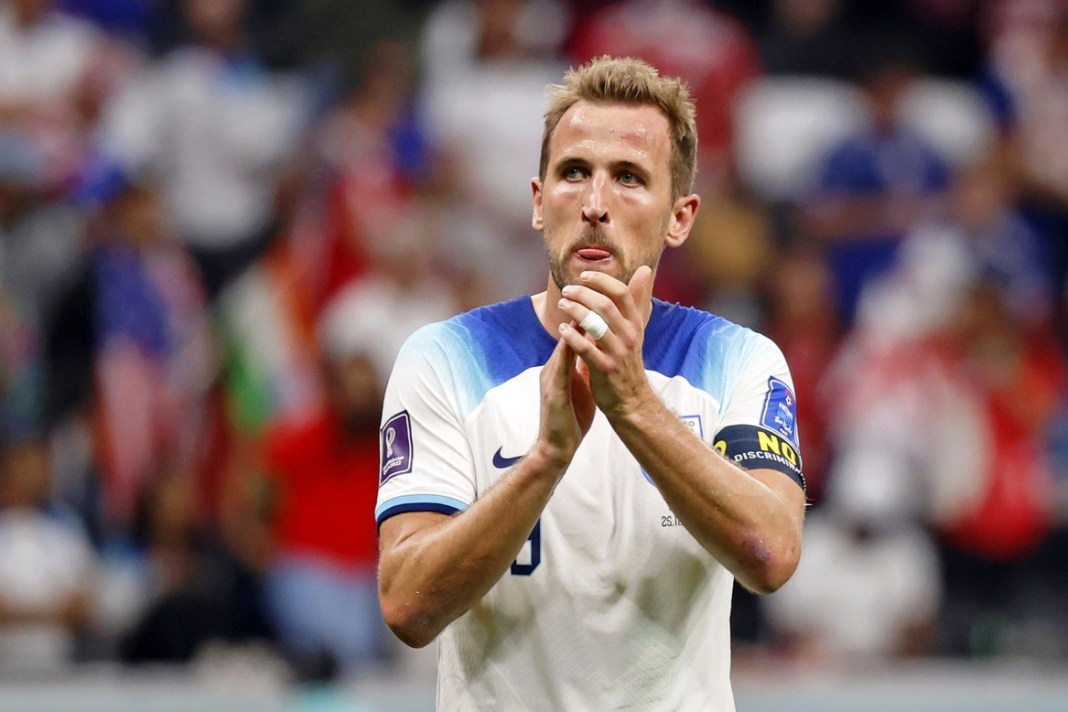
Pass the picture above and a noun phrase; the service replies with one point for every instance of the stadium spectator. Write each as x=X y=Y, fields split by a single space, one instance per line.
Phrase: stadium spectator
x=321 y=583
x=929 y=394
x=874 y=186
x=130 y=348
x=47 y=564
x=1028 y=76
x=307 y=504
x=193 y=590
x=374 y=155
x=58 y=70
x=484 y=65
x=867 y=590
x=219 y=129
x=710 y=50
x=40 y=246
x=807 y=37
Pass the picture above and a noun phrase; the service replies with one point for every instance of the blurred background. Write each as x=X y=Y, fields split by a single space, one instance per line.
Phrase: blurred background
x=219 y=219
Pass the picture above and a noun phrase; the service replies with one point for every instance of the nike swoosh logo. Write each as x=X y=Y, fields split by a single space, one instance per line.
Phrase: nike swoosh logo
x=501 y=462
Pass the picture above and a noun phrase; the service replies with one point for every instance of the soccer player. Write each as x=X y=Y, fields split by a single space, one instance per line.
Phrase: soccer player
x=565 y=500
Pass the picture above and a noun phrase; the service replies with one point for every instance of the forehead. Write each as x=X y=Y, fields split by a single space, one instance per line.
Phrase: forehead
x=637 y=133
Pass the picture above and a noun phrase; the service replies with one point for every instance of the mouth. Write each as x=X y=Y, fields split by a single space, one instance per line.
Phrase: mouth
x=593 y=254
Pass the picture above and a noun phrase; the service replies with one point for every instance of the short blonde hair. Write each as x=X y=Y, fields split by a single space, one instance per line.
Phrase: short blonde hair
x=628 y=80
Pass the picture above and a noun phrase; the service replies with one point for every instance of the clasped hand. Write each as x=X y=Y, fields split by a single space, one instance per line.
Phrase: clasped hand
x=606 y=373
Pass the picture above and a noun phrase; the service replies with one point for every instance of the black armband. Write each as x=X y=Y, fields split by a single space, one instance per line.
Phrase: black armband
x=753 y=447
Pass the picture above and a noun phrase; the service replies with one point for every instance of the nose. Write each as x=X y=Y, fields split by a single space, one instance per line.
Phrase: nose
x=594 y=207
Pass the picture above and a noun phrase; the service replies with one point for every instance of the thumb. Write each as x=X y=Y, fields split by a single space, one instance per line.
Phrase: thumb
x=582 y=396
x=641 y=285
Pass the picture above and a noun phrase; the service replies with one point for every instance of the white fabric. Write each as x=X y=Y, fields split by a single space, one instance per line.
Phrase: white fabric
x=216 y=134
x=784 y=125
x=375 y=315
x=45 y=61
x=43 y=564
x=486 y=115
x=624 y=609
x=859 y=599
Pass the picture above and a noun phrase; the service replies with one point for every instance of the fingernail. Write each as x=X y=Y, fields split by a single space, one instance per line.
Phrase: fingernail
x=567 y=290
x=563 y=303
x=586 y=276
x=564 y=327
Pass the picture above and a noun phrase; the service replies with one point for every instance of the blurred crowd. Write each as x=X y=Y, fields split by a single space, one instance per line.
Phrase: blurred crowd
x=219 y=219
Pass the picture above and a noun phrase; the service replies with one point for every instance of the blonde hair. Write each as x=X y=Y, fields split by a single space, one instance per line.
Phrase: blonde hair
x=628 y=80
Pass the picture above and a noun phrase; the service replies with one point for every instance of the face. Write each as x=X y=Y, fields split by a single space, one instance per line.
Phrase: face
x=139 y=216
x=355 y=391
x=28 y=11
x=215 y=20
x=605 y=202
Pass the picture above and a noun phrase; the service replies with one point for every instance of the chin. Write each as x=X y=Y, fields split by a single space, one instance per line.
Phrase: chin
x=610 y=266
x=564 y=277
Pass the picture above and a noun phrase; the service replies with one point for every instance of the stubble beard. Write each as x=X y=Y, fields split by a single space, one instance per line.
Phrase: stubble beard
x=593 y=238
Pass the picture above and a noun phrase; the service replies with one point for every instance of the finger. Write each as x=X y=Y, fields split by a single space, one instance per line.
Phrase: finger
x=559 y=367
x=590 y=318
x=584 y=347
x=605 y=284
x=594 y=325
x=641 y=285
x=640 y=288
x=582 y=400
x=621 y=295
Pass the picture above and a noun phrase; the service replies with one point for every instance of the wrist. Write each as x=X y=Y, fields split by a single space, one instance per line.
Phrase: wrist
x=547 y=458
x=639 y=407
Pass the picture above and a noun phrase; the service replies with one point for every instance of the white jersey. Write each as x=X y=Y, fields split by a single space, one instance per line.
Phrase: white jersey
x=611 y=604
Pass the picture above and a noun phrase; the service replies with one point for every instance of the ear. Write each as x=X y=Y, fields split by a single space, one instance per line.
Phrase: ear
x=537 y=222
x=682 y=218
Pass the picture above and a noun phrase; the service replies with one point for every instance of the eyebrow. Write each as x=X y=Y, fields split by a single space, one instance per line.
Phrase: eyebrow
x=631 y=166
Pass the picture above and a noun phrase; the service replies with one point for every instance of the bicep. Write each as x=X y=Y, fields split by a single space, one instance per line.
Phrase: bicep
x=758 y=427
x=426 y=460
x=398 y=529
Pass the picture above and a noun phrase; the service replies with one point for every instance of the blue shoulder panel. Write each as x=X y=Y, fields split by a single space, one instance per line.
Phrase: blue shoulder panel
x=482 y=348
x=487 y=346
x=705 y=349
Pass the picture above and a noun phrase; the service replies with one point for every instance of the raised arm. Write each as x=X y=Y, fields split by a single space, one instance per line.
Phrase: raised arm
x=750 y=520
x=433 y=568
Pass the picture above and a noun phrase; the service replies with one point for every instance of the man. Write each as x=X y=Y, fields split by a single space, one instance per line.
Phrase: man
x=576 y=549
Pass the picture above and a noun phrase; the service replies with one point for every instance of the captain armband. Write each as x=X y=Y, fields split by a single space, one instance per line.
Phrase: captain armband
x=753 y=448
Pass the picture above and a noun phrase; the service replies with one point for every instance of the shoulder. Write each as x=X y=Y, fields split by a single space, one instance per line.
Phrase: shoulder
x=502 y=339
x=678 y=335
x=707 y=350
x=476 y=351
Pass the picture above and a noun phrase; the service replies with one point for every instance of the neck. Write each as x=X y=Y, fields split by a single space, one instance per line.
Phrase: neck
x=546 y=306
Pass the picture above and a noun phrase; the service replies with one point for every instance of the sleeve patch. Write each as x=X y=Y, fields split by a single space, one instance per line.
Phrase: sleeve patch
x=753 y=447
x=780 y=410
x=395 y=447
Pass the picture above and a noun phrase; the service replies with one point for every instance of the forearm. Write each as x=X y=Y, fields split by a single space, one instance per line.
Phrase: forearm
x=752 y=528
x=431 y=575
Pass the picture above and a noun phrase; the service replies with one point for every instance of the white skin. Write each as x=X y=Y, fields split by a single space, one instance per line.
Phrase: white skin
x=606 y=211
